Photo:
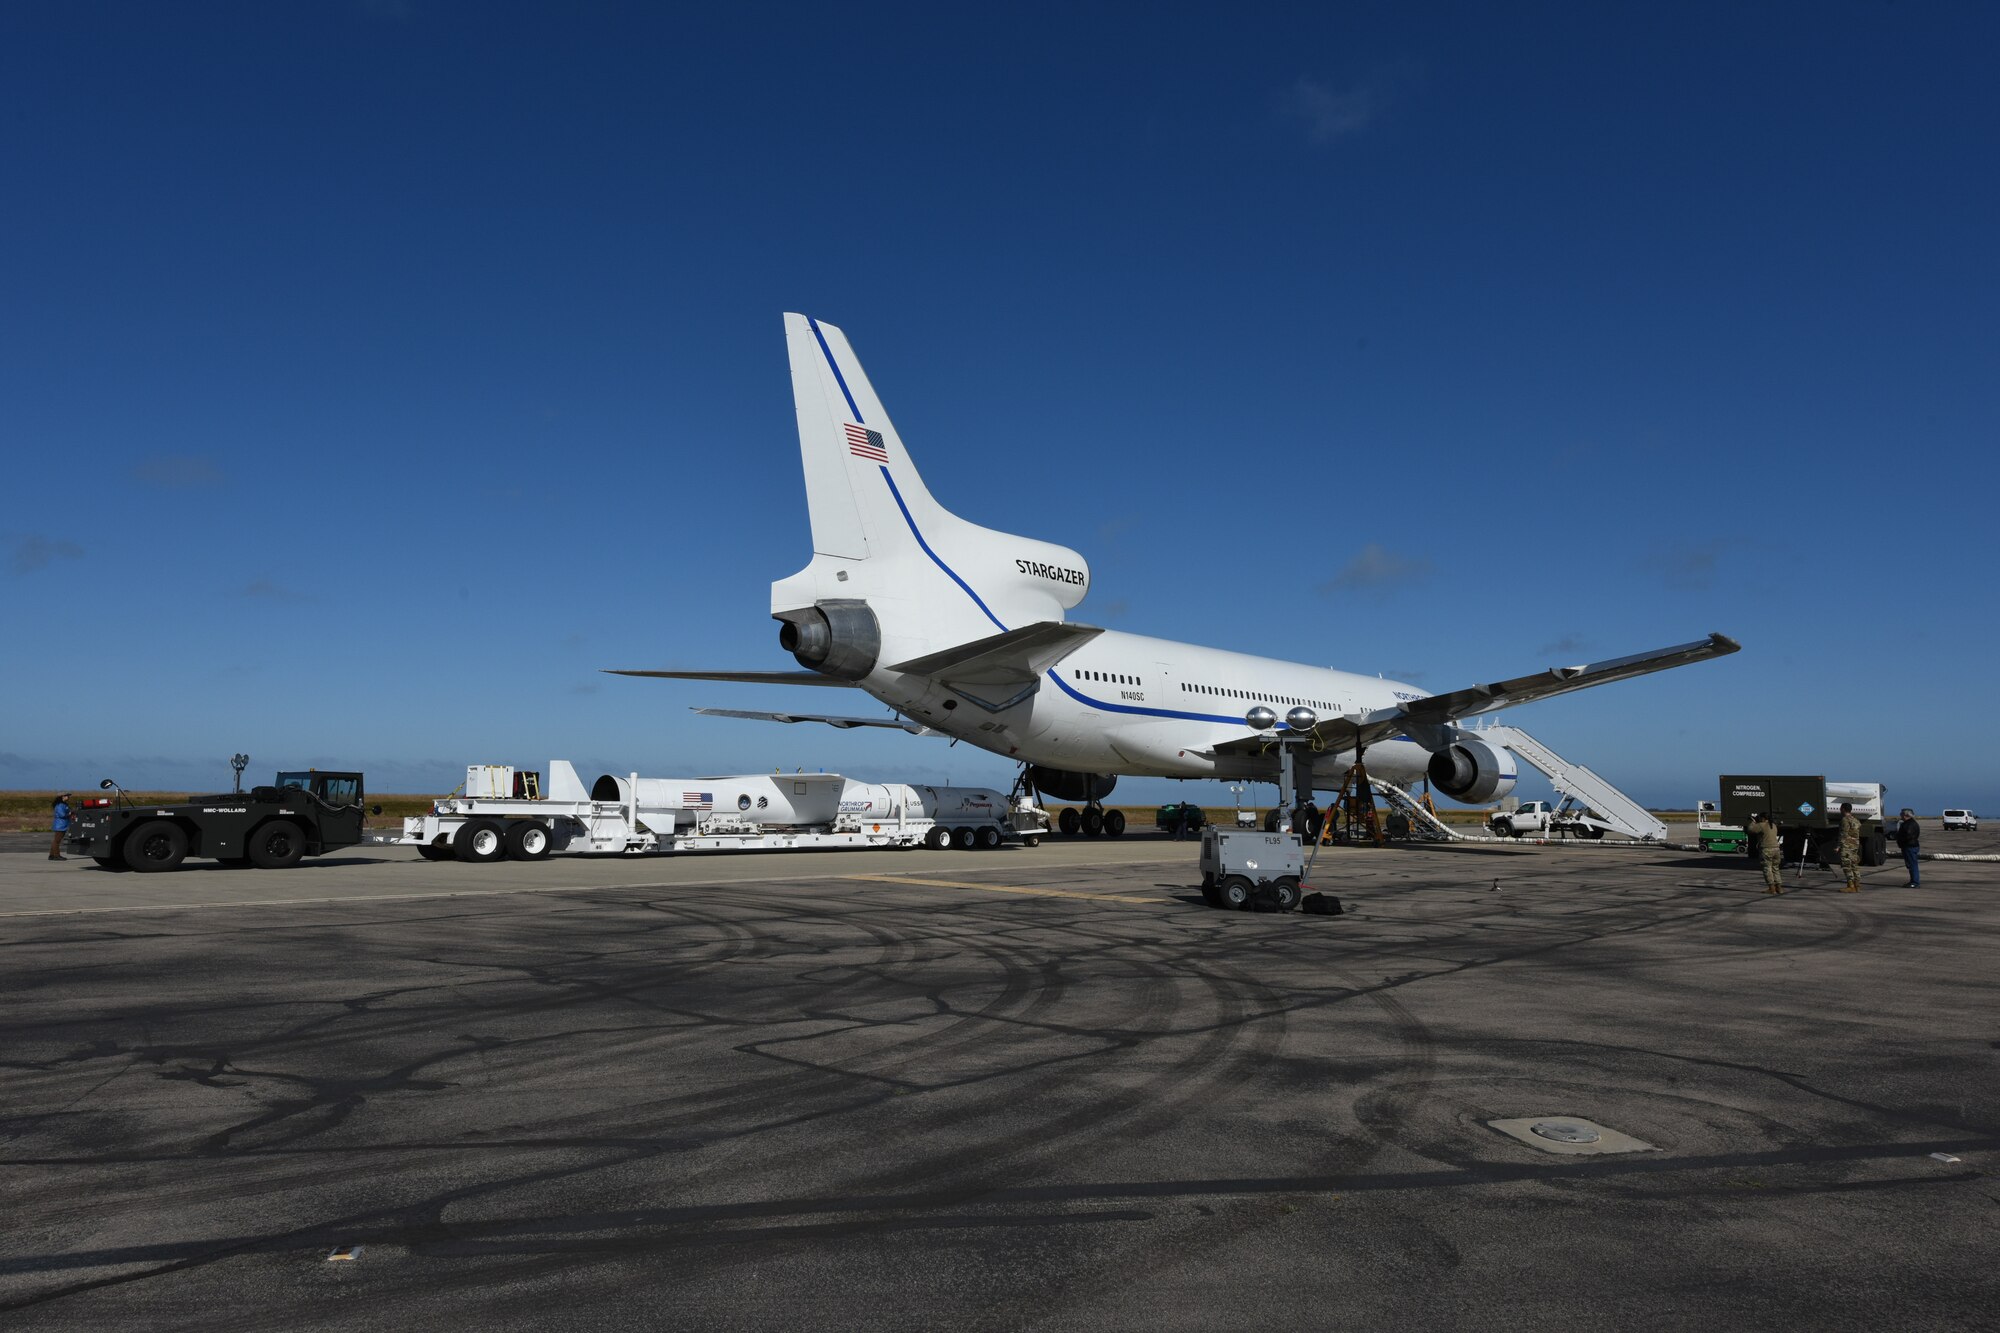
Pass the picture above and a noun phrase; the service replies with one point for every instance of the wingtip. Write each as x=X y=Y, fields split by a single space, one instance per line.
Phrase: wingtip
x=1723 y=643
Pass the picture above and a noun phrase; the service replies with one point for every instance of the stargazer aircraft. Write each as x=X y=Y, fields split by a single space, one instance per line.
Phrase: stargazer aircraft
x=961 y=631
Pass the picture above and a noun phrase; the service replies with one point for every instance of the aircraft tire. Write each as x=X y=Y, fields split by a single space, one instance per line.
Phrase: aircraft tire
x=1093 y=823
x=1068 y=821
x=1114 y=823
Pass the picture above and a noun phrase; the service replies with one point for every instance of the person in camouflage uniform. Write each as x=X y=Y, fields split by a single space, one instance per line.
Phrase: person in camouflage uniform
x=1850 y=847
x=1764 y=836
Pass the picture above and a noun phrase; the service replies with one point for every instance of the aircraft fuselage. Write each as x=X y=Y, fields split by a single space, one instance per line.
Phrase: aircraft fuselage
x=1130 y=704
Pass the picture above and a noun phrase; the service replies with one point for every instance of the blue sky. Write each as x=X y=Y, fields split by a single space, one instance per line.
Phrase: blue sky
x=371 y=374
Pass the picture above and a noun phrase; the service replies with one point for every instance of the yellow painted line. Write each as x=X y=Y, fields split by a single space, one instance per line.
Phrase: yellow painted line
x=1005 y=888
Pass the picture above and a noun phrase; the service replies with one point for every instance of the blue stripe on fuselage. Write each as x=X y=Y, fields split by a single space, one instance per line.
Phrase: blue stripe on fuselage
x=934 y=555
x=1062 y=684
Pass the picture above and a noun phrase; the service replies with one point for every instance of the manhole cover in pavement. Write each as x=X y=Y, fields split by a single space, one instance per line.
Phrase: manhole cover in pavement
x=1565 y=1131
x=1569 y=1134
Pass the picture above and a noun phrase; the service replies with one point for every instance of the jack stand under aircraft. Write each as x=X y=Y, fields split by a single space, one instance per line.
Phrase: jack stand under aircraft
x=1355 y=807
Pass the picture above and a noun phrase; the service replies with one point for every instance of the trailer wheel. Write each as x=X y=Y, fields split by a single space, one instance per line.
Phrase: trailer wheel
x=938 y=838
x=1114 y=823
x=1233 y=894
x=988 y=838
x=1031 y=840
x=1069 y=821
x=436 y=851
x=157 y=844
x=1285 y=888
x=277 y=845
x=528 y=840
x=964 y=839
x=479 y=840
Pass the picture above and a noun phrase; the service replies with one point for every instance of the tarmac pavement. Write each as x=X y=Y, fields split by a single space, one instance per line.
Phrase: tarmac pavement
x=1043 y=1088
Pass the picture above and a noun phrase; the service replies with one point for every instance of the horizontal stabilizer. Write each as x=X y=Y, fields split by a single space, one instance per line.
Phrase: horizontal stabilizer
x=749 y=677
x=899 y=724
x=1015 y=658
x=1437 y=709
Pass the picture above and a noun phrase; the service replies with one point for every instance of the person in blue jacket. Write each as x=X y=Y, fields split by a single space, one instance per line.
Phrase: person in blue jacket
x=61 y=821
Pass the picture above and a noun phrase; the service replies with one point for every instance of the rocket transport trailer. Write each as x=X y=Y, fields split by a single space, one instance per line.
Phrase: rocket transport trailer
x=505 y=813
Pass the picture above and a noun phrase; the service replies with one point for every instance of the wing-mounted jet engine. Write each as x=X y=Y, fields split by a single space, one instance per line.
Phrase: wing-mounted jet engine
x=1473 y=771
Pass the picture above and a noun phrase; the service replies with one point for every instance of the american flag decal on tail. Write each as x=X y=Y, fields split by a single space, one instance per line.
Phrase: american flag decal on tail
x=866 y=443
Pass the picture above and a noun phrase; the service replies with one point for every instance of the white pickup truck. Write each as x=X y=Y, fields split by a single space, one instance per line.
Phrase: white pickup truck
x=1539 y=819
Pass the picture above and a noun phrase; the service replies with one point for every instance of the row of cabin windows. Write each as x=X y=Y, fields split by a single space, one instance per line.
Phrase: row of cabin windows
x=1286 y=699
x=1114 y=678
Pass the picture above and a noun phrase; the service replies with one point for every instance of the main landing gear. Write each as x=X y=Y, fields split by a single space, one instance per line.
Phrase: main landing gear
x=1092 y=821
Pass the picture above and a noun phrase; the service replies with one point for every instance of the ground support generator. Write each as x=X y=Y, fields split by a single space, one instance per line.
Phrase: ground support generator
x=1241 y=866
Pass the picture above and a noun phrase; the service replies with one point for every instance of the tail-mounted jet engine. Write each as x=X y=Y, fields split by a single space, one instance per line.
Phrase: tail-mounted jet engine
x=1066 y=786
x=835 y=638
x=1473 y=771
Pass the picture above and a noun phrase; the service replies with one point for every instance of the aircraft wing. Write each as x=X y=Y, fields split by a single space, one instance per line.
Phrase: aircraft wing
x=901 y=724
x=1016 y=657
x=752 y=677
x=1384 y=723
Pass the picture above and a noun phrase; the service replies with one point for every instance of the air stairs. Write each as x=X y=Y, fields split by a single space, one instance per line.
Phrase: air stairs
x=1575 y=783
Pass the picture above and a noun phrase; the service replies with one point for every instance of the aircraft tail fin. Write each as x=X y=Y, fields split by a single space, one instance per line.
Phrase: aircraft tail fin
x=876 y=529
